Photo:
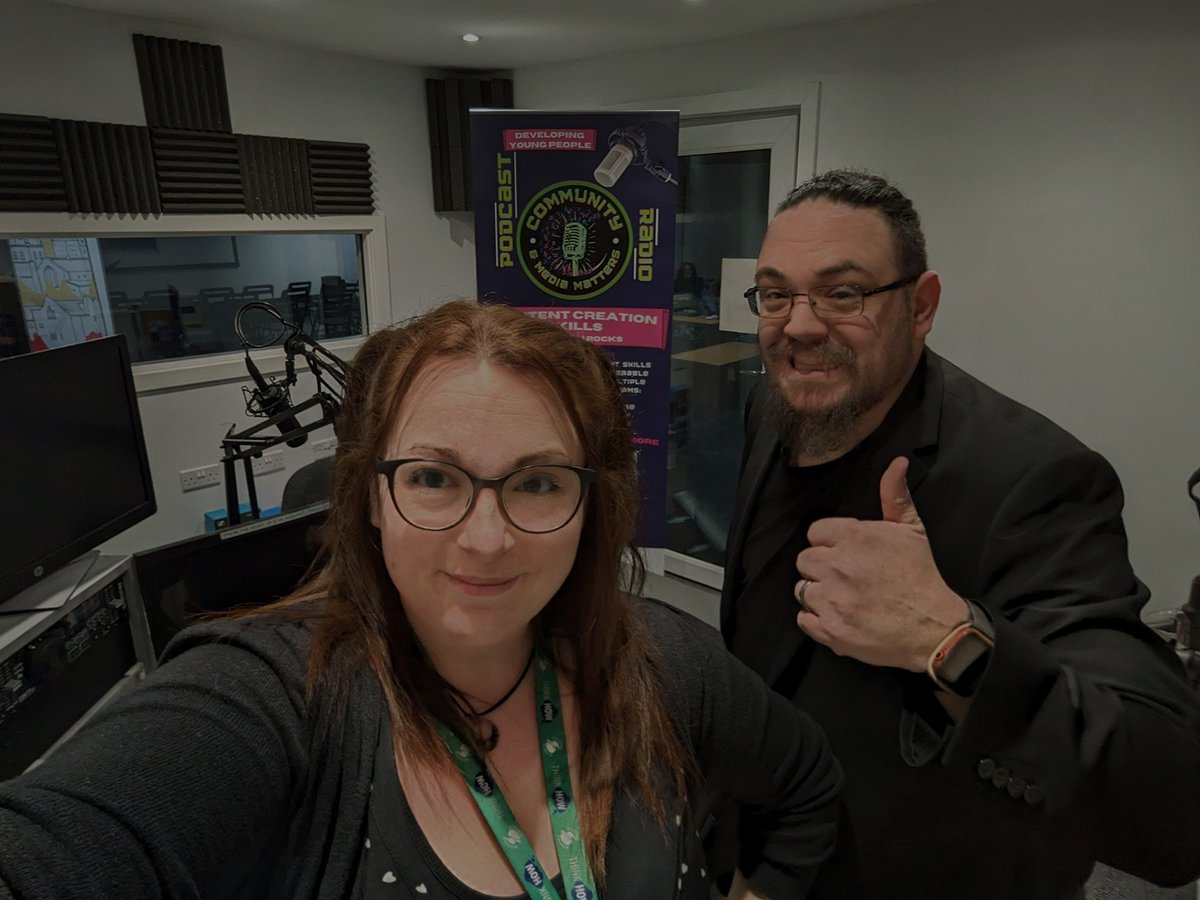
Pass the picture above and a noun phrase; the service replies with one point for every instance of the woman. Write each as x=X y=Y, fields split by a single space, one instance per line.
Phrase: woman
x=689 y=288
x=464 y=701
x=694 y=293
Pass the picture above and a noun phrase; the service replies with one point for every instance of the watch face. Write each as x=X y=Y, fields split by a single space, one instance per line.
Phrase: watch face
x=960 y=664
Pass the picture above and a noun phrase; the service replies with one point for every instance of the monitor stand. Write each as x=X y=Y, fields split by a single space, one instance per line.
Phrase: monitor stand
x=53 y=591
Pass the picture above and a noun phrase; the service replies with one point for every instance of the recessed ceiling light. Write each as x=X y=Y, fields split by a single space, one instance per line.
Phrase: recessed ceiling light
x=471 y=38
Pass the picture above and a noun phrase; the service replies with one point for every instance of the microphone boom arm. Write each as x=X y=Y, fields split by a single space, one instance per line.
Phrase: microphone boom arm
x=250 y=443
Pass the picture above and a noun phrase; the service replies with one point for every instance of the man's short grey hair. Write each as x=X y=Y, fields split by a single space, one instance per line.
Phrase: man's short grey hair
x=867 y=191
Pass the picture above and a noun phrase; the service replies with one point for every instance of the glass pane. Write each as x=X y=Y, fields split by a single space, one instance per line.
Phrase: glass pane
x=178 y=296
x=722 y=213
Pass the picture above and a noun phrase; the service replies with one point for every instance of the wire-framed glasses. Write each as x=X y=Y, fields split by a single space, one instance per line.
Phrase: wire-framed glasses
x=435 y=495
x=828 y=301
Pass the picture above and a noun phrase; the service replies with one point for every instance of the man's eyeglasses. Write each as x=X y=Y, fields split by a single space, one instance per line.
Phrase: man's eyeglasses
x=828 y=301
x=435 y=496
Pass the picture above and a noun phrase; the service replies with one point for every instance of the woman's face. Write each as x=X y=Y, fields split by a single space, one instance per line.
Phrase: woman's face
x=481 y=582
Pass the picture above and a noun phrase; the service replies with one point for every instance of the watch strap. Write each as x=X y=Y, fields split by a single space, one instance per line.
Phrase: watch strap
x=957 y=663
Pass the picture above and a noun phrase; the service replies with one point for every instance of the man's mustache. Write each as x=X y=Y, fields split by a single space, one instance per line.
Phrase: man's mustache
x=826 y=351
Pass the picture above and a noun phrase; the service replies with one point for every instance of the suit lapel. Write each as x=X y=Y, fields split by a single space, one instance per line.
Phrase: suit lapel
x=916 y=435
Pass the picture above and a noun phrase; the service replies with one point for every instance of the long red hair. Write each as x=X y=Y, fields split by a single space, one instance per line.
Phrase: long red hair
x=626 y=739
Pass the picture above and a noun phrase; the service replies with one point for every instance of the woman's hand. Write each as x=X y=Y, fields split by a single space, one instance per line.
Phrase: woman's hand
x=739 y=890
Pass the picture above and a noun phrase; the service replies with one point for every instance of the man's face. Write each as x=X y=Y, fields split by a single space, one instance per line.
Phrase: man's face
x=828 y=374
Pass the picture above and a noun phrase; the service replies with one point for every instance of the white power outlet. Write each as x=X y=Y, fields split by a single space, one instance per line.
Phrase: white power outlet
x=202 y=477
x=269 y=462
x=324 y=445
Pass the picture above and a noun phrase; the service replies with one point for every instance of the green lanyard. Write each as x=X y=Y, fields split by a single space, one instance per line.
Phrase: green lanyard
x=564 y=819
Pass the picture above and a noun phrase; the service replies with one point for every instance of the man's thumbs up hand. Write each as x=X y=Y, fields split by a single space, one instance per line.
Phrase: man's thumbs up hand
x=871 y=590
x=897 y=502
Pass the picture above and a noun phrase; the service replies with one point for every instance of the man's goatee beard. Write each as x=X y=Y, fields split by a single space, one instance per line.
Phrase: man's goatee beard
x=822 y=433
x=819 y=433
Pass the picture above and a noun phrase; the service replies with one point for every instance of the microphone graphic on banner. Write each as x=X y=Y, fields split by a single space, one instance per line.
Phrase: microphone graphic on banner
x=627 y=146
x=574 y=245
x=613 y=166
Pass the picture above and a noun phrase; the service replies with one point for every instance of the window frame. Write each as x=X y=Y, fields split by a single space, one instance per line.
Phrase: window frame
x=213 y=368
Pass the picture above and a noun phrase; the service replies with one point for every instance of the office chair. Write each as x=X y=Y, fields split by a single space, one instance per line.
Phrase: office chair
x=298 y=295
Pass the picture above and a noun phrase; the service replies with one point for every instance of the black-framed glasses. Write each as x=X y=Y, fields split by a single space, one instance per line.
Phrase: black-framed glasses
x=828 y=301
x=435 y=495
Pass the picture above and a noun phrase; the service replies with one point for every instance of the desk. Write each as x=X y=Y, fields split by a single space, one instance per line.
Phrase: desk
x=714 y=377
x=719 y=354
x=37 y=609
x=80 y=641
x=696 y=320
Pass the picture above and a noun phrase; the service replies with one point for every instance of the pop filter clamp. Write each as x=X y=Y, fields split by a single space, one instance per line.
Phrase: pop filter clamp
x=270 y=400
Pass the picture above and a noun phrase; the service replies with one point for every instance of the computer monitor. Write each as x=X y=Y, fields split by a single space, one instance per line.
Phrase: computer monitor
x=245 y=565
x=73 y=465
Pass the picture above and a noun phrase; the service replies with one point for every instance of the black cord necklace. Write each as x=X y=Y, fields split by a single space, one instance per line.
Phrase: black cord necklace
x=512 y=690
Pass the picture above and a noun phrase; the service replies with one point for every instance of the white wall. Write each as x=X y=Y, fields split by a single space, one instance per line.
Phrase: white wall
x=183 y=430
x=69 y=63
x=1052 y=150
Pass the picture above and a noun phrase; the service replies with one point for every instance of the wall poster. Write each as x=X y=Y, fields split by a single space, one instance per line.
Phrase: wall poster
x=575 y=223
x=62 y=289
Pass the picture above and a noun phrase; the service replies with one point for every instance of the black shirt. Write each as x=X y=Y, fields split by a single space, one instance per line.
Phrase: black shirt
x=792 y=498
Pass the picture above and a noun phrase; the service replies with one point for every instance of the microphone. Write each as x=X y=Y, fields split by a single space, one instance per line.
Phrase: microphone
x=270 y=398
x=574 y=244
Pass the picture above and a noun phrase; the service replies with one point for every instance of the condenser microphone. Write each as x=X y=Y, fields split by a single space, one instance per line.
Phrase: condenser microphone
x=614 y=164
x=270 y=398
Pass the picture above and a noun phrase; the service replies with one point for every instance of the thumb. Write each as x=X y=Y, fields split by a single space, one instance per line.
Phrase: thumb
x=897 y=502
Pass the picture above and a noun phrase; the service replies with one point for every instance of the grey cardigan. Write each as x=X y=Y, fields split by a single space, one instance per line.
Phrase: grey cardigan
x=216 y=778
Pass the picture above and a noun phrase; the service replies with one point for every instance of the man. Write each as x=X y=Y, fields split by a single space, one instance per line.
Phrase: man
x=968 y=625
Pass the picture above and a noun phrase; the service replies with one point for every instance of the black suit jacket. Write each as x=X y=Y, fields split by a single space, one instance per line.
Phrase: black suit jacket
x=1082 y=742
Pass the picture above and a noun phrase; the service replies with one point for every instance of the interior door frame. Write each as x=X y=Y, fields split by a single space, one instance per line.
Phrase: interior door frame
x=801 y=101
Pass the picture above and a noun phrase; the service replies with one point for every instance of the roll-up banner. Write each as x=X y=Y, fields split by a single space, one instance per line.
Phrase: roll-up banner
x=575 y=223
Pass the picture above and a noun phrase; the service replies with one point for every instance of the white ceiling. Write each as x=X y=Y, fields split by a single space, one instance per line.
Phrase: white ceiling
x=513 y=32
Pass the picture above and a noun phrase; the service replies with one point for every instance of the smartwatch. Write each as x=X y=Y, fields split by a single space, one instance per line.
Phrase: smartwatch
x=958 y=662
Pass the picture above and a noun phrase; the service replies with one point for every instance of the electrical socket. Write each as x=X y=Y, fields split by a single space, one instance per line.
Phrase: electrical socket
x=202 y=477
x=324 y=445
x=269 y=462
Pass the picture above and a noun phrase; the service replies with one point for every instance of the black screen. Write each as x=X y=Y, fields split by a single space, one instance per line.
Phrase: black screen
x=72 y=457
x=245 y=565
